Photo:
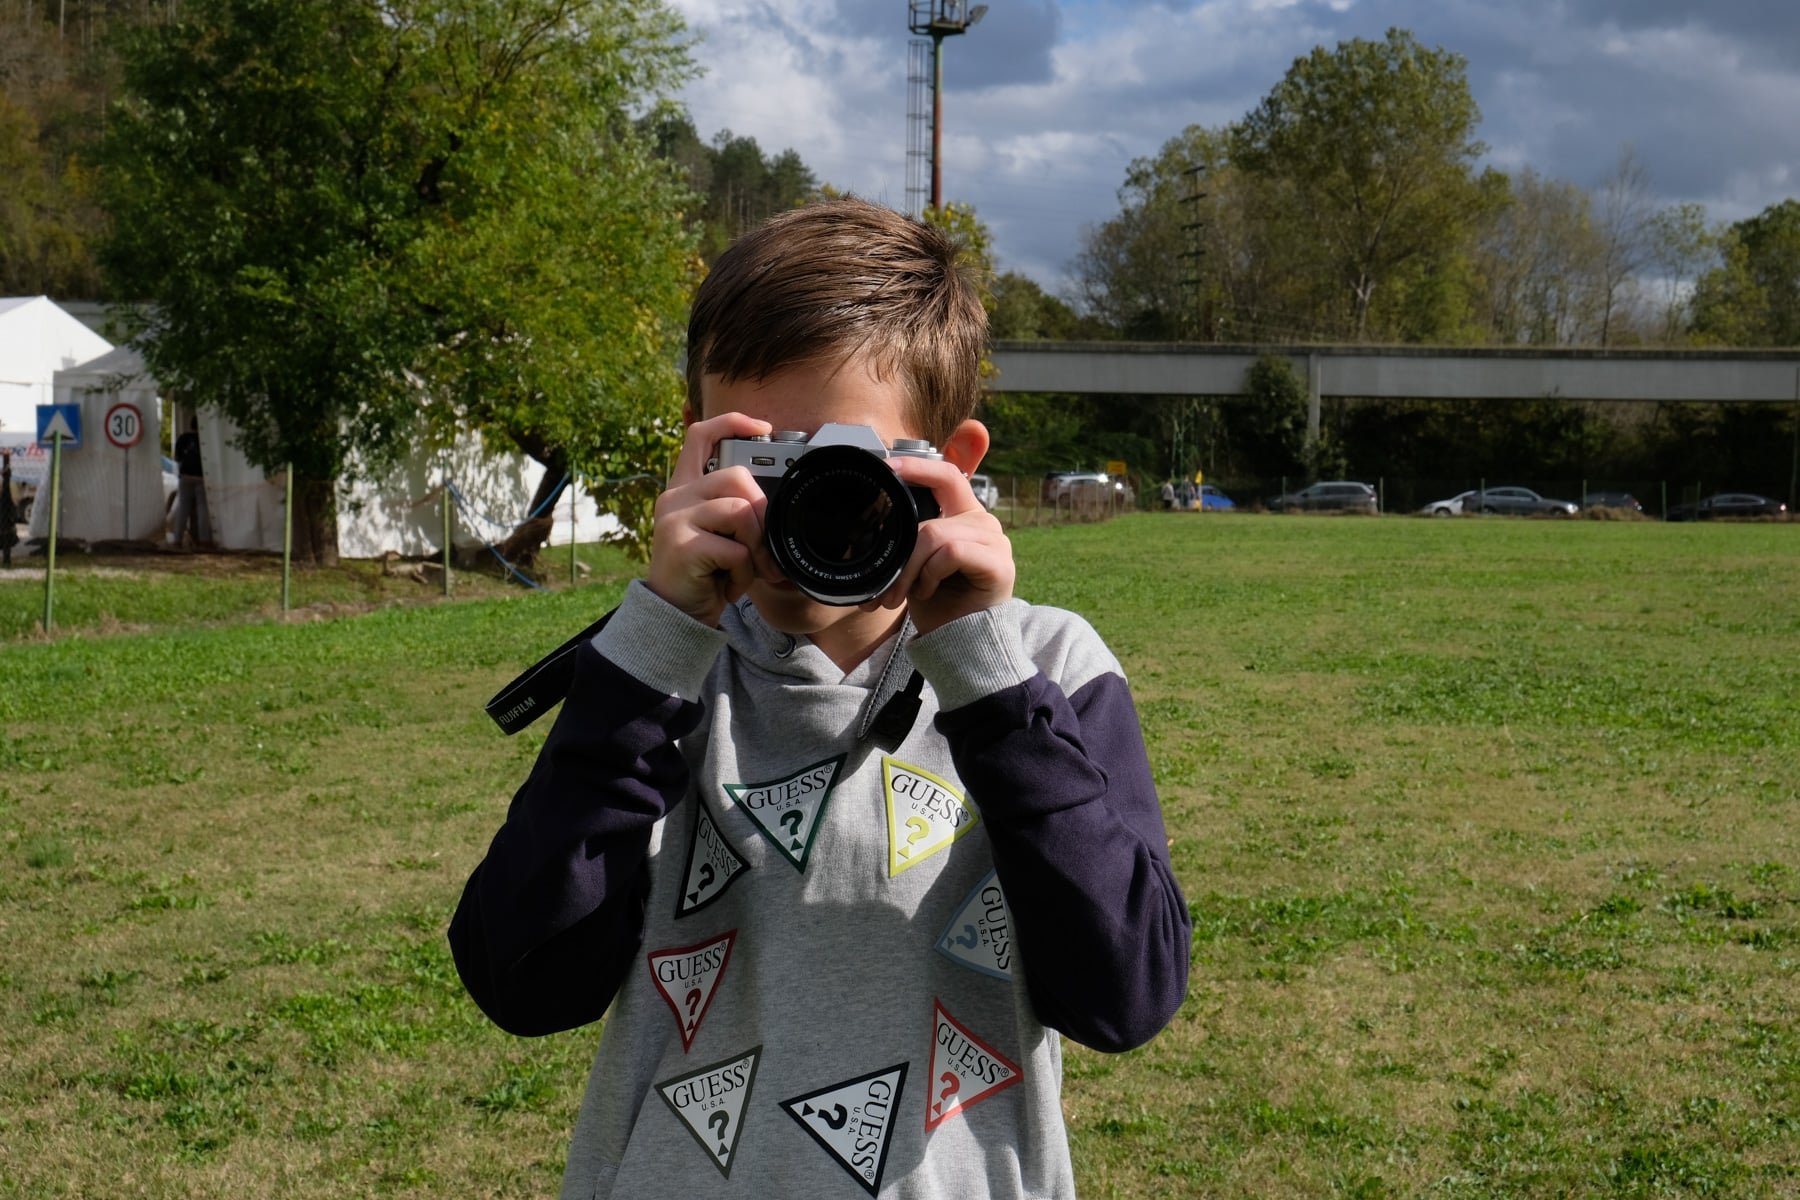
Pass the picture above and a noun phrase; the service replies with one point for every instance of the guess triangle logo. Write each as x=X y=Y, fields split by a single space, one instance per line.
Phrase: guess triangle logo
x=789 y=810
x=964 y=1069
x=711 y=1103
x=925 y=814
x=979 y=936
x=852 y=1120
x=687 y=977
x=711 y=865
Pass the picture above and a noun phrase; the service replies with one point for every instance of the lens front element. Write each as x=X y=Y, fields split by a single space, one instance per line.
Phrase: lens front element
x=841 y=525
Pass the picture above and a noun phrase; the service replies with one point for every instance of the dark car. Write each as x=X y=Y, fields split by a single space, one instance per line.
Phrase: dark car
x=1624 y=500
x=1518 y=502
x=1329 y=495
x=1728 y=504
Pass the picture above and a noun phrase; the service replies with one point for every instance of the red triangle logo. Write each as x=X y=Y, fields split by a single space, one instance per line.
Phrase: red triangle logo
x=688 y=977
x=964 y=1069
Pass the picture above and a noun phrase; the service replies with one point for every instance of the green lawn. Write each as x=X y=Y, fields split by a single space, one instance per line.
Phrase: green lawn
x=1491 y=831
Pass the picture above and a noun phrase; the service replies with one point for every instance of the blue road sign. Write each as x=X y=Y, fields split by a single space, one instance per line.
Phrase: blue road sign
x=59 y=418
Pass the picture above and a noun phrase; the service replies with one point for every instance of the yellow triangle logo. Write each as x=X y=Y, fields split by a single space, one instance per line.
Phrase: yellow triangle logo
x=925 y=814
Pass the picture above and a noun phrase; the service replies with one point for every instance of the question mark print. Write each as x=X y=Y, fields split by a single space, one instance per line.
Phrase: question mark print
x=921 y=829
x=836 y=1118
x=693 y=998
x=969 y=939
x=952 y=1085
x=792 y=818
x=719 y=1121
x=706 y=881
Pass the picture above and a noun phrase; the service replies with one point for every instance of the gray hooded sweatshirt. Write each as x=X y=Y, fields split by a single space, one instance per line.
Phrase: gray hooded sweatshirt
x=835 y=968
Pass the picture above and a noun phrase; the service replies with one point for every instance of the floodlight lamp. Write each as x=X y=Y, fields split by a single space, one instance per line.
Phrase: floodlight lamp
x=975 y=15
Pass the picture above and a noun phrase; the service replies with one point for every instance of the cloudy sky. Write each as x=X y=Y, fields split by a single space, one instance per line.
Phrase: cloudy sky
x=1046 y=101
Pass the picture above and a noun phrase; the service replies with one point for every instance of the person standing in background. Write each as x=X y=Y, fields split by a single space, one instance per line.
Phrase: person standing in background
x=190 y=494
x=9 y=510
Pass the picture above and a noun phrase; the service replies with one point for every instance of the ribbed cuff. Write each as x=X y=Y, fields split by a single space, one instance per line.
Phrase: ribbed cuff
x=652 y=640
x=973 y=656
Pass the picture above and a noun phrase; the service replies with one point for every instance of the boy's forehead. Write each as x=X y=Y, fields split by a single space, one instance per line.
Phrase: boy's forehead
x=807 y=395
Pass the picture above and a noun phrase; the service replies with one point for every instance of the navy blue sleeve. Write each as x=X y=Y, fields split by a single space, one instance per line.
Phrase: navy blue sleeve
x=1064 y=787
x=551 y=921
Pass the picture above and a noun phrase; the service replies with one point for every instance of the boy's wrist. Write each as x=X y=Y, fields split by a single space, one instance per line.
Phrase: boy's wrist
x=975 y=655
x=655 y=642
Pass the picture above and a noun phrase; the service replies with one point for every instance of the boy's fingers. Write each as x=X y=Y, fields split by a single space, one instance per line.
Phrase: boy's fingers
x=703 y=436
x=947 y=483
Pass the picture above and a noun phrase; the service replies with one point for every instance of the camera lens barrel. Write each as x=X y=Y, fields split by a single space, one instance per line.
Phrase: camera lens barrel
x=841 y=525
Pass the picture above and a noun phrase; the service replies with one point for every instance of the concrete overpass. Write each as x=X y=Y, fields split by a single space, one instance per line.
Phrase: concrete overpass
x=1402 y=372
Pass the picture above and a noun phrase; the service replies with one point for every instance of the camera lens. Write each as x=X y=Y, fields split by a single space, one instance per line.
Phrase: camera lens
x=841 y=525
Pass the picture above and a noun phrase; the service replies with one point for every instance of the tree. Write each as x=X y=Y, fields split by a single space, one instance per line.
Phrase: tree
x=1682 y=245
x=1138 y=272
x=1368 y=152
x=738 y=185
x=339 y=215
x=1539 y=257
x=1024 y=311
x=1753 y=297
x=1624 y=227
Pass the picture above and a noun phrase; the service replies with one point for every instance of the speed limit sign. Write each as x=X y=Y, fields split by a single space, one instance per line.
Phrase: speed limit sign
x=124 y=425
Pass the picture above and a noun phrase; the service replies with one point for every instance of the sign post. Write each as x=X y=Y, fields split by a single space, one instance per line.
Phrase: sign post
x=56 y=441
x=125 y=428
x=57 y=424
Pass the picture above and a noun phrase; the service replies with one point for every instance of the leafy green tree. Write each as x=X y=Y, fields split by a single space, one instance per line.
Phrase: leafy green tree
x=338 y=215
x=1753 y=298
x=1024 y=311
x=1367 y=154
x=737 y=184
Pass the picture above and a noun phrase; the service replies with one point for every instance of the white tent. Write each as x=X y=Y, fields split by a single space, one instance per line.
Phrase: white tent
x=37 y=339
x=112 y=493
x=109 y=490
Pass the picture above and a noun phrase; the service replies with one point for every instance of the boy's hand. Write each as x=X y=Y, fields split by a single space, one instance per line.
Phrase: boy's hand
x=706 y=547
x=963 y=562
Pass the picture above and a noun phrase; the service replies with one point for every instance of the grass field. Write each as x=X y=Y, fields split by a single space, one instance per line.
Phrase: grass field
x=1491 y=832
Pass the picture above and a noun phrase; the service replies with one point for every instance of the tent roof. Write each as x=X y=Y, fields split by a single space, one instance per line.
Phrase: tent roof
x=120 y=360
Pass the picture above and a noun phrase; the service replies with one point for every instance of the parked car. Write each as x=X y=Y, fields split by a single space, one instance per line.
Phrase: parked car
x=1623 y=500
x=1213 y=500
x=1063 y=487
x=1453 y=507
x=1330 y=495
x=1518 y=502
x=985 y=491
x=1728 y=504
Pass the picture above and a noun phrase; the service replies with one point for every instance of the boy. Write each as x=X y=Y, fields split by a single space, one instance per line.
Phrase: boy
x=834 y=943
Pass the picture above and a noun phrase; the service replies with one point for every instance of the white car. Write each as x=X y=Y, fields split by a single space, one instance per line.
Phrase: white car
x=1453 y=507
x=985 y=491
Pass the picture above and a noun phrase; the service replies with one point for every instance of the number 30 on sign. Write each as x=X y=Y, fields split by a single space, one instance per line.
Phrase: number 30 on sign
x=124 y=425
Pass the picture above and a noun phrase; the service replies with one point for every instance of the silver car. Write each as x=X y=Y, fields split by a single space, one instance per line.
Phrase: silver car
x=1518 y=502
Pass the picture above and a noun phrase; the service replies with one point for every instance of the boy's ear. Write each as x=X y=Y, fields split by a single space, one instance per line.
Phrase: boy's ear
x=967 y=446
x=688 y=413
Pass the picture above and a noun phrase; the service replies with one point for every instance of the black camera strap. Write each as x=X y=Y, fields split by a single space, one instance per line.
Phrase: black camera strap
x=542 y=686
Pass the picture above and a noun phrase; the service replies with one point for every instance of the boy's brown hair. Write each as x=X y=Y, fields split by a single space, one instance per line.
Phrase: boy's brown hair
x=839 y=278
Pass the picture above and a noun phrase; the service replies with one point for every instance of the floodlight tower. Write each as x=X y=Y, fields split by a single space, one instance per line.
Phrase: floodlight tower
x=939 y=19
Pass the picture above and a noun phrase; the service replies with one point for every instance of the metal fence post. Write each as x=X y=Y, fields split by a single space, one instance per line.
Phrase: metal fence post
x=287 y=537
x=446 y=504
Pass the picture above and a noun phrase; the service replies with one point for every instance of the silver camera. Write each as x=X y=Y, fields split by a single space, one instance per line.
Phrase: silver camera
x=840 y=524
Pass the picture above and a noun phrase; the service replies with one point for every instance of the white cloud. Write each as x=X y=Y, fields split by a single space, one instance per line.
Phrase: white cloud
x=1075 y=89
